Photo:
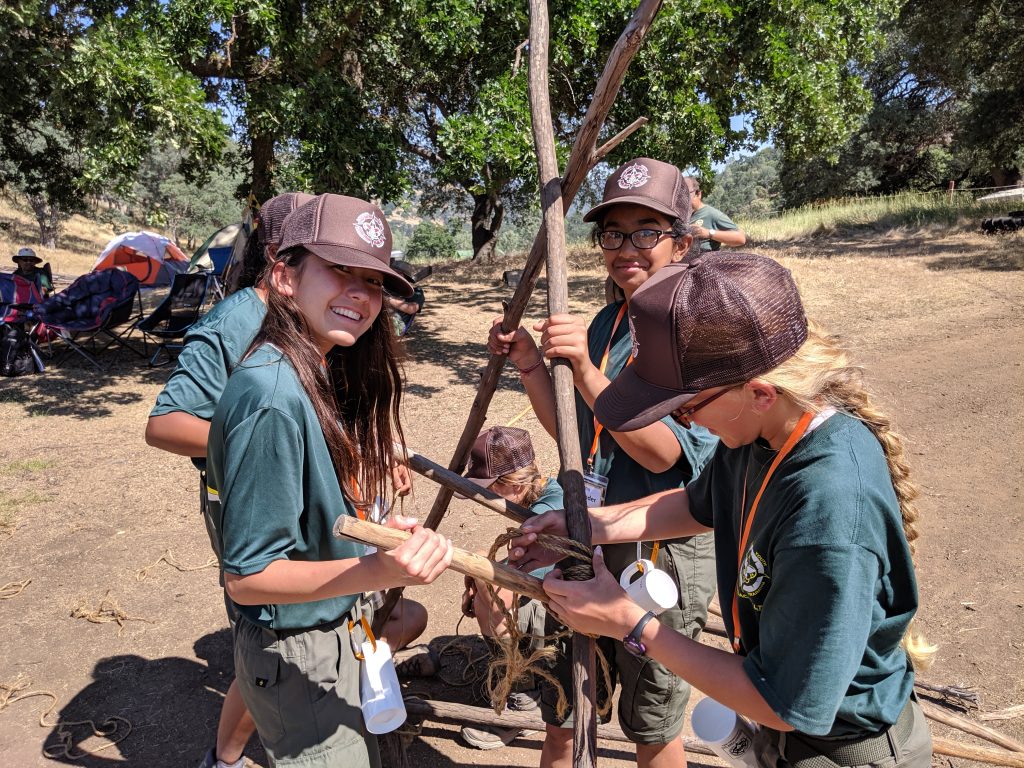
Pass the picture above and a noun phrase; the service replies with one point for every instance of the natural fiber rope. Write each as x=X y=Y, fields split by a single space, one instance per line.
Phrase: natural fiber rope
x=168 y=557
x=13 y=589
x=512 y=666
x=108 y=610
x=11 y=693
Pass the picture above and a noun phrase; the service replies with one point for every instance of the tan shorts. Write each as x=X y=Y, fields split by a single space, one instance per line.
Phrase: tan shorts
x=302 y=689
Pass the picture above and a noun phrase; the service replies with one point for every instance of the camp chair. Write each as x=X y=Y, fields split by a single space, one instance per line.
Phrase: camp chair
x=17 y=295
x=177 y=313
x=87 y=313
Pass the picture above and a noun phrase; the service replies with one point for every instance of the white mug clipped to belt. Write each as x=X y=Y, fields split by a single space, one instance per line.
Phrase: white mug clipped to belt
x=730 y=736
x=380 y=696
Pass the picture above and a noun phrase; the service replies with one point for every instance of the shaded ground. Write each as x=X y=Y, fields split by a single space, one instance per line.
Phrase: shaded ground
x=85 y=505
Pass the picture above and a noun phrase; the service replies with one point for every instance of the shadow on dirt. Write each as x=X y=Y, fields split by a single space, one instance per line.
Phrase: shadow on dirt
x=1010 y=259
x=73 y=387
x=172 y=705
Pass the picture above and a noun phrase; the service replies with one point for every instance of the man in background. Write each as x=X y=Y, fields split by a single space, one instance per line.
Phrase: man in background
x=708 y=225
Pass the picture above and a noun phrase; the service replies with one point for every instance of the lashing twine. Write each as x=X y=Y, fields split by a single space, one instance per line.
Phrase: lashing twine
x=511 y=666
x=12 y=693
x=107 y=611
x=168 y=557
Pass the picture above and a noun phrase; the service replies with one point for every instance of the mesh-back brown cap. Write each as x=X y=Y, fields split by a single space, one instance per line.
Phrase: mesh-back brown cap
x=708 y=322
x=498 y=451
x=273 y=212
x=646 y=182
x=345 y=230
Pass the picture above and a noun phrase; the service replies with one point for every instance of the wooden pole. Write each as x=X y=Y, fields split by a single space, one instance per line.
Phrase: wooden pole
x=477 y=566
x=981 y=754
x=584 y=156
x=457 y=483
x=453 y=712
x=940 y=715
x=577 y=520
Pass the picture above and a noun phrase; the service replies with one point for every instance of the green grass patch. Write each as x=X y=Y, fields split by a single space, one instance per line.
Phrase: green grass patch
x=11 y=505
x=909 y=210
x=27 y=465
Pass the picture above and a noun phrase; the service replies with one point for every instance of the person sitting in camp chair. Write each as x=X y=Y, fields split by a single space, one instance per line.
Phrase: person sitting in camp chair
x=28 y=268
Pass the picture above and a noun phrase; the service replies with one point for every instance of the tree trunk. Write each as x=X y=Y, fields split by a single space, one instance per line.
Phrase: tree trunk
x=488 y=212
x=261 y=148
x=49 y=218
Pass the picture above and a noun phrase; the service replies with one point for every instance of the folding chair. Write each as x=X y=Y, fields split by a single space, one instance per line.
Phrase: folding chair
x=177 y=313
x=89 y=311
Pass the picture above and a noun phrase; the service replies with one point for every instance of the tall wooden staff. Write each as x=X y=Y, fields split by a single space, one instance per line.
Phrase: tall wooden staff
x=571 y=477
x=585 y=155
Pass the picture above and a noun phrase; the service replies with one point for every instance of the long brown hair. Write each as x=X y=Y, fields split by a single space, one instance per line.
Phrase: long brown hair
x=357 y=397
x=821 y=375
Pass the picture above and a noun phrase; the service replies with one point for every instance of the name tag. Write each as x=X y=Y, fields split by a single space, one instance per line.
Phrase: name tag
x=596 y=485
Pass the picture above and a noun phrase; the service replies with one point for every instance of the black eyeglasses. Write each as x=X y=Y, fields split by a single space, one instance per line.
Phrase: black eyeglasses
x=684 y=416
x=612 y=240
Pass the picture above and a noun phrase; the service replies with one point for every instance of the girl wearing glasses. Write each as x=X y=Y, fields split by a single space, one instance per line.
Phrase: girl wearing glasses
x=813 y=511
x=641 y=226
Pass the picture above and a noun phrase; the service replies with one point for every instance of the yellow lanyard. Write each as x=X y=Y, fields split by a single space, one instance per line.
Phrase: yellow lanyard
x=598 y=428
x=793 y=439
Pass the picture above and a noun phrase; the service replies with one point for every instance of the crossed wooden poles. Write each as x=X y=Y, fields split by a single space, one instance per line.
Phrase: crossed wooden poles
x=548 y=247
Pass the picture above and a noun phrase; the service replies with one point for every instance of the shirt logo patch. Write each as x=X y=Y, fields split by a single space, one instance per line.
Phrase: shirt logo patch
x=370 y=229
x=635 y=176
x=753 y=577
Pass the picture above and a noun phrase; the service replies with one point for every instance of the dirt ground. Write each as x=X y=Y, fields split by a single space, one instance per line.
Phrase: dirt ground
x=85 y=505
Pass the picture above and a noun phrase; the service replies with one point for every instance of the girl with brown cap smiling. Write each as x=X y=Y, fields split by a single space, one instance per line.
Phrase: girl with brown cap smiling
x=813 y=512
x=641 y=226
x=303 y=433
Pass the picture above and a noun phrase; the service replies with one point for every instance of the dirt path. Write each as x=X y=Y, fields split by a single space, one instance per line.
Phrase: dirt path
x=84 y=504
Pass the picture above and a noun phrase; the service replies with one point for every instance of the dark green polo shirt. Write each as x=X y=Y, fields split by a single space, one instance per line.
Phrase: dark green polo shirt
x=827 y=587
x=710 y=217
x=279 y=494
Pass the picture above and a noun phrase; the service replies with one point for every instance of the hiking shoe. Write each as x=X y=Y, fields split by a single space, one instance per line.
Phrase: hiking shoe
x=416 y=661
x=493 y=737
x=210 y=761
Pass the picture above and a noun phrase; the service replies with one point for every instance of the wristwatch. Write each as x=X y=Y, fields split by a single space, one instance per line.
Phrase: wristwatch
x=632 y=642
x=711 y=233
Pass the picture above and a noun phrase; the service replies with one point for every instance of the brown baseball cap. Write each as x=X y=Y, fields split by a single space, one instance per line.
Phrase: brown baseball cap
x=498 y=451
x=273 y=212
x=708 y=322
x=345 y=230
x=643 y=181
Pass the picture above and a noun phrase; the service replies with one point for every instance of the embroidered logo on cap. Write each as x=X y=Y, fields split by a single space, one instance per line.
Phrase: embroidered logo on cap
x=636 y=344
x=370 y=229
x=635 y=176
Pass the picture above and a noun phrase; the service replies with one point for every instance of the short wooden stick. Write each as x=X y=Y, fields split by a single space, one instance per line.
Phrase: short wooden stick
x=478 y=567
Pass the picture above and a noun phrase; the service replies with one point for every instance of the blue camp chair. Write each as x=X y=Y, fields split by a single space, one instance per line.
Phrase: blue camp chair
x=95 y=312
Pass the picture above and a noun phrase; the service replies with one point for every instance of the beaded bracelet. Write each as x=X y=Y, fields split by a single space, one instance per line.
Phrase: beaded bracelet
x=531 y=369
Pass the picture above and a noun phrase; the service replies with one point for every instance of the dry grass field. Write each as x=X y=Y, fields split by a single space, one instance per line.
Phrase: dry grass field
x=86 y=506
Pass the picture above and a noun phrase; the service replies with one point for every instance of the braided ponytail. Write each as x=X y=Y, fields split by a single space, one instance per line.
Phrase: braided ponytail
x=820 y=375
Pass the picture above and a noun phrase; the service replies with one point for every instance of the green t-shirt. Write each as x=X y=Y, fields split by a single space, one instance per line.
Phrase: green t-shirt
x=710 y=217
x=628 y=480
x=279 y=494
x=828 y=585
x=213 y=347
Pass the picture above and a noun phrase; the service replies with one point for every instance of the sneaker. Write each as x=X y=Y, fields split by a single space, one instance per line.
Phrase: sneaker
x=210 y=761
x=493 y=737
x=416 y=661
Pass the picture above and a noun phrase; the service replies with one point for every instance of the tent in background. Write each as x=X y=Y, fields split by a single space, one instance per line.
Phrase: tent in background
x=150 y=257
x=213 y=255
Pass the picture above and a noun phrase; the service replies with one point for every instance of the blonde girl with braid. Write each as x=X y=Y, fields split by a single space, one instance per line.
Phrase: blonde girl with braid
x=812 y=507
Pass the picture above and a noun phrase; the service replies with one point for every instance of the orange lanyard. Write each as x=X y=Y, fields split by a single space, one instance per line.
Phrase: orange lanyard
x=598 y=428
x=794 y=437
x=359 y=510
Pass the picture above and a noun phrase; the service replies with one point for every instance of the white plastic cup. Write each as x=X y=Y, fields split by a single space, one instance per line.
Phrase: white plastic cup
x=730 y=736
x=379 y=692
x=651 y=589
